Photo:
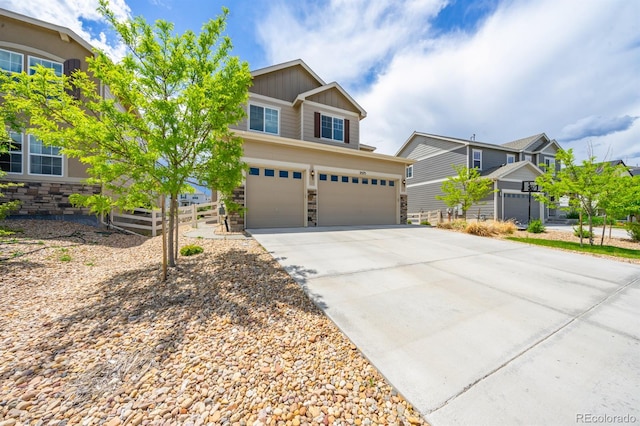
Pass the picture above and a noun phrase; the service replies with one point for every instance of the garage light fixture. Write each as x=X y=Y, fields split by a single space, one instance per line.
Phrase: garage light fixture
x=313 y=173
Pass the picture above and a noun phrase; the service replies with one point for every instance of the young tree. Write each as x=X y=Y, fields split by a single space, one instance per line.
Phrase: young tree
x=465 y=189
x=585 y=185
x=173 y=99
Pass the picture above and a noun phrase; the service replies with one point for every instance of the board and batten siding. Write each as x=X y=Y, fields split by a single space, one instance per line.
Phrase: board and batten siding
x=309 y=123
x=285 y=84
x=334 y=98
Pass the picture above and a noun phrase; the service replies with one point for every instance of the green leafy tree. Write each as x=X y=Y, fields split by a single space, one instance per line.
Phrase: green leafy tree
x=165 y=117
x=8 y=206
x=587 y=186
x=465 y=189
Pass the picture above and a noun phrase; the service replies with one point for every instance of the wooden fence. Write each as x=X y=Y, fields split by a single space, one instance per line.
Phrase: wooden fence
x=433 y=217
x=149 y=222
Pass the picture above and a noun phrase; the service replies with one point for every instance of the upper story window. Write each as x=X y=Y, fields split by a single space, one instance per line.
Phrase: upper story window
x=409 y=172
x=263 y=119
x=11 y=61
x=477 y=159
x=11 y=161
x=44 y=160
x=332 y=128
x=549 y=163
x=527 y=157
x=511 y=158
x=55 y=66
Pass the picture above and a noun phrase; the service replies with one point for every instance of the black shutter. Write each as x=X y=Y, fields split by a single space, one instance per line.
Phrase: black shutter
x=346 y=131
x=71 y=65
x=316 y=124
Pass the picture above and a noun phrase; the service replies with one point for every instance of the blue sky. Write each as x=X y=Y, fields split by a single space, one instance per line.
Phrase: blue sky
x=499 y=69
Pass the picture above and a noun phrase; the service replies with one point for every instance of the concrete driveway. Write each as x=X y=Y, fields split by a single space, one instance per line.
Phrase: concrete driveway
x=477 y=331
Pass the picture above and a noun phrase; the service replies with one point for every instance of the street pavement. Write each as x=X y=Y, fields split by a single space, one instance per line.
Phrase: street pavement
x=478 y=331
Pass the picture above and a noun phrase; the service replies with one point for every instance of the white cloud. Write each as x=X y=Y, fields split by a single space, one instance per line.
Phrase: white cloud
x=68 y=13
x=530 y=67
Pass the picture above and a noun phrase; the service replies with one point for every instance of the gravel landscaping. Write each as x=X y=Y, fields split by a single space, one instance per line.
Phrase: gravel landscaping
x=90 y=335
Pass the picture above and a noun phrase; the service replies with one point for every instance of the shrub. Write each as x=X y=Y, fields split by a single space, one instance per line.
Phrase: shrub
x=190 y=250
x=633 y=229
x=482 y=229
x=408 y=222
x=585 y=232
x=425 y=222
x=535 y=227
x=573 y=214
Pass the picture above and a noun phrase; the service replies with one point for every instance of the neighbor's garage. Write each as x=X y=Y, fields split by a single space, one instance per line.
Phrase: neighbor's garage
x=356 y=200
x=516 y=206
x=274 y=198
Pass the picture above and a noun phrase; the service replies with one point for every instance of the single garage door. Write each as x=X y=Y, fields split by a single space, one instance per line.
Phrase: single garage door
x=516 y=206
x=274 y=198
x=356 y=200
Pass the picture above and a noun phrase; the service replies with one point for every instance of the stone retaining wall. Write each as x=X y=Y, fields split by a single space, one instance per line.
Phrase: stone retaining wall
x=48 y=198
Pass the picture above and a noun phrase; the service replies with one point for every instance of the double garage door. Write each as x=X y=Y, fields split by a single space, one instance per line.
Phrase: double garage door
x=277 y=198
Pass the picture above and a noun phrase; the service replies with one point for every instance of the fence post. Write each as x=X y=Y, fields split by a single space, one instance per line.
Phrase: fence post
x=194 y=216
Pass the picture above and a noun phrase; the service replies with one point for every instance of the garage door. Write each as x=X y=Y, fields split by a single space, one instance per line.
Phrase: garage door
x=274 y=198
x=354 y=200
x=516 y=206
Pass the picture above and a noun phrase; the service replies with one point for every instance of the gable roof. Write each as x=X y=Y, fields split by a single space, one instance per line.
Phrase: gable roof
x=303 y=96
x=65 y=33
x=500 y=172
x=464 y=142
x=524 y=143
x=285 y=65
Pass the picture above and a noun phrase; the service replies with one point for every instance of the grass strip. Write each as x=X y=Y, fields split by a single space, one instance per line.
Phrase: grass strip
x=586 y=248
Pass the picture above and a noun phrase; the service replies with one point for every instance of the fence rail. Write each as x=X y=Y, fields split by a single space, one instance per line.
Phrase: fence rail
x=433 y=217
x=150 y=221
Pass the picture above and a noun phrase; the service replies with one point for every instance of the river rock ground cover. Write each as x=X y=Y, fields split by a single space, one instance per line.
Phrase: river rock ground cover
x=89 y=334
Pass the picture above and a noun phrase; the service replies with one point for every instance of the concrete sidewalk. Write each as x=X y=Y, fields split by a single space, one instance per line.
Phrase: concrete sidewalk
x=476 y=331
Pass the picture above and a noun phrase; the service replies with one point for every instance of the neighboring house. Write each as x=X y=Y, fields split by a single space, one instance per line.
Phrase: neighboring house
x=48 y=177
x=307 y=166
x=197 y=197
x=507 y=165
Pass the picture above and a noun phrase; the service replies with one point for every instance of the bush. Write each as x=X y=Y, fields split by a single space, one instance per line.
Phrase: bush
x=633 y=229
x=408 y=222
x=482 y=229
x=585 y=232
x=573 y=214
x=190 y=250
x=535 y=227
x=598 y=221
x=425 y=223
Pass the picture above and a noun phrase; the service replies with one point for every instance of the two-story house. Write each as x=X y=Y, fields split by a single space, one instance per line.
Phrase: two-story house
x=507 y=165
x=47 y=176
x=307 y=166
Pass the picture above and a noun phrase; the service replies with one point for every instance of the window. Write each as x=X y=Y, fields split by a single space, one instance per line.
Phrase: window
x=11 y=161
x=55 y=66
x=549 y=162
x=10 y=61
x=323 y=176
x=527 y=157
x=354 y=180
x=374 y=181
x=332 y=128
x=334 y=178
x=254 y=171
x=44 y=160
x=269 y=172
x=365 y=181
x=345 y=179
x=392 y=183
x=409 y=172
x=297 y=175
x=283 y=174
x=263 y=119
x=511 y=158
x=383 y=182
x=477 y=159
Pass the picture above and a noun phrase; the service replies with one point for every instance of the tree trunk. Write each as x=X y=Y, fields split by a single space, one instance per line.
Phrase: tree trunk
x=590 y=230
x=604 y=228
x=175 y=242
x=172 y=220
x=164 y=238
x=580 y=226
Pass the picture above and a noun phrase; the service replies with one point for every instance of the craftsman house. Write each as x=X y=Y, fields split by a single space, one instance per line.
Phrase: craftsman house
x=48 y=177
x=507 y=165
x=307 y=166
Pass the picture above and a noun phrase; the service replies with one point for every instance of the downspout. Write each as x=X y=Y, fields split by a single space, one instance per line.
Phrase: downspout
x=496 y=197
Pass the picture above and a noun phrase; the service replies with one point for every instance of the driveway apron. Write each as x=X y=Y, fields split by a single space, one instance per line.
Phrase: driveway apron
x=478 y=331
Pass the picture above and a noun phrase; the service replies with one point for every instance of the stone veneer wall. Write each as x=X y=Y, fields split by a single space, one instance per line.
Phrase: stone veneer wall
x=235 y=220
x=312 y=207
x=403 y=209
x=48 y=198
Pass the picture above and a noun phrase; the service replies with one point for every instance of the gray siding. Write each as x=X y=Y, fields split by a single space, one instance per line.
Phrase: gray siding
x=491 y=158
x=438 y=167
x=422 y=146
x=422 y=198
x=285 y=84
